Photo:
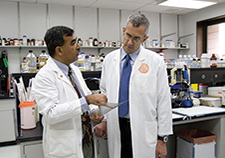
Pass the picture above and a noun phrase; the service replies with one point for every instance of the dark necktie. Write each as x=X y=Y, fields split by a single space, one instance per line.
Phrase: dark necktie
x=124 y=87
x=86 y=122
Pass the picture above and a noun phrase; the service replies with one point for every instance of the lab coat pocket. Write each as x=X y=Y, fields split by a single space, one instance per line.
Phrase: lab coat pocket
x=151 y=132
x=146 y=83
x=62 y=143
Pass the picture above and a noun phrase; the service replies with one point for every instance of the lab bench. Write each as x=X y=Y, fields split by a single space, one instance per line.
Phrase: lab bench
x=214 y=123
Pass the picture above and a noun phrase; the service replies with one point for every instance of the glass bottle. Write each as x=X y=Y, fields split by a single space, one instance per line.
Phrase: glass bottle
x=31 y=61
x=87 y=64
x=42 y=59
x=80 y=42
x=95 y=42
x=80 y=62
x=213 y=61
x=91 y=41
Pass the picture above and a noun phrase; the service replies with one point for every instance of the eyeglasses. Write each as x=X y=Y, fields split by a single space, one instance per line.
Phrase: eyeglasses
x=74 y=42
x=129 y=37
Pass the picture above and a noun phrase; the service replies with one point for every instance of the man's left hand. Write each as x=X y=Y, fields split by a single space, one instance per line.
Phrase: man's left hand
x=161 y=150
x=96 y=116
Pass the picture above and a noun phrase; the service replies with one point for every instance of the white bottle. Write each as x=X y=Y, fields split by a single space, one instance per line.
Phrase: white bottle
x=190 y=62
x=148 y=43
x=87 y=64
x=205 y=60
x=31 y=61
x=24 y=40
x=178 y=63
x=185 y=59
x=80 y=61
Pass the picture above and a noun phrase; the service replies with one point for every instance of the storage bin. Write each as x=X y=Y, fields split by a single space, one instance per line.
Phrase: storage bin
x=215 y=91
x=27 y=115
x=211 y=101
x=196 y=143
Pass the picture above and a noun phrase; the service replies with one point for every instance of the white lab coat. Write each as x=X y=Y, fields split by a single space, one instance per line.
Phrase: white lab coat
x=59 y=104
x=149 y=103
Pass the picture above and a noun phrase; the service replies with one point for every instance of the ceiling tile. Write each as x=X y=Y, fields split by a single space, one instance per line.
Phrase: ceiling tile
x=82 y=3
x=113 y=4
x=27 y=1
x=131 y=5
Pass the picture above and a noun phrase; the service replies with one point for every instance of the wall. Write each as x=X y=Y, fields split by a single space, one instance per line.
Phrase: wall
x=189 y=22
x=105 y=24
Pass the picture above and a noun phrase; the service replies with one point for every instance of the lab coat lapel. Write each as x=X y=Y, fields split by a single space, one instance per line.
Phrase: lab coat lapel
x=59 y=73
x=116 y=66
x=140 y=59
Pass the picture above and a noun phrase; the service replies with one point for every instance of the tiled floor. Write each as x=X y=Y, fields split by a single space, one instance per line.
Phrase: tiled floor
x=11 y=151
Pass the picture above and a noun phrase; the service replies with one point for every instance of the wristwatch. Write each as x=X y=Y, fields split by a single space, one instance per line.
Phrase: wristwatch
x=164 y=138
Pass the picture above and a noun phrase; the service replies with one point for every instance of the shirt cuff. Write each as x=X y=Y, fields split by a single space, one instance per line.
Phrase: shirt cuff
x=84 y=105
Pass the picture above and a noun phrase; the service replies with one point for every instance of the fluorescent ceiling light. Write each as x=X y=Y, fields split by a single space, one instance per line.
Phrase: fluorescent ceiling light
x=192 y=4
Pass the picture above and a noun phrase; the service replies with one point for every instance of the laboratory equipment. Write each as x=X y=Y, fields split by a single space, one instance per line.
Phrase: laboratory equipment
x=180 y=87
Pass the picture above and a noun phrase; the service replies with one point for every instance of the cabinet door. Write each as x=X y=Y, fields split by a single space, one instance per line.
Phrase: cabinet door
x=7 y=132
x=33 y=151
x=101 y=147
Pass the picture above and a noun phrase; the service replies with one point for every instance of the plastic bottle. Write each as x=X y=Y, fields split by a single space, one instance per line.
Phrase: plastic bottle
x=179 y=61
x=87 y=64
x=205 y=60
x=172 y=63
x=24 y=40
x=162 y=43
x=190 y=62
x=185 y=59
x=42 y=59
x=31 y=61
x=199 y=63
x=95 y=42
x=219 y=62
x=80 y=61
x=148 y=43
x=91 y=41
x=213 y=61
x=195 y=63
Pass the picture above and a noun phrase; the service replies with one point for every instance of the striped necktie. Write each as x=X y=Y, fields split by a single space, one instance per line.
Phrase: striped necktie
x=86 y=122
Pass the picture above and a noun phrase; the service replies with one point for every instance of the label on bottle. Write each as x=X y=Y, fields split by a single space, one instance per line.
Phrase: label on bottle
x=213 y=63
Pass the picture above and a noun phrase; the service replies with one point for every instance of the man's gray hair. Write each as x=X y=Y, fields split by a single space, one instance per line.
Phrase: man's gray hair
x=138 y=19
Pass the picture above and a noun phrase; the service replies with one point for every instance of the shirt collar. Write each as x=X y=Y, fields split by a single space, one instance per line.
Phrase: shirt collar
x=63 y=67
x=133 y=55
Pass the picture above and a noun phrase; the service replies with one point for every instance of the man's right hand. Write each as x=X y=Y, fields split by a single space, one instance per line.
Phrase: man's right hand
x=96 y=99
x=101 y=129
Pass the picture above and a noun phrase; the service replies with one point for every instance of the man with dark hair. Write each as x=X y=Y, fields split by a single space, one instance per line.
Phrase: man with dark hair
x=62 y=97
x=137 y=77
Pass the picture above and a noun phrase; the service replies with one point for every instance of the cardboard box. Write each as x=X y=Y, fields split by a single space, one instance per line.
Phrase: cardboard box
x=196 y=143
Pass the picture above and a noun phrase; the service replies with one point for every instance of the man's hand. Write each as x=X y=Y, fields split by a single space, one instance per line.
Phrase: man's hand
x=96 y=99
x=161 y=150
x=101 y=129
x=96 y=116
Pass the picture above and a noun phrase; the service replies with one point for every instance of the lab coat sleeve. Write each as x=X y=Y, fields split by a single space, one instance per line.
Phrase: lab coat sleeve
x=103 y=85
x=47 y=97
x=164 y=112
x=103 y=80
